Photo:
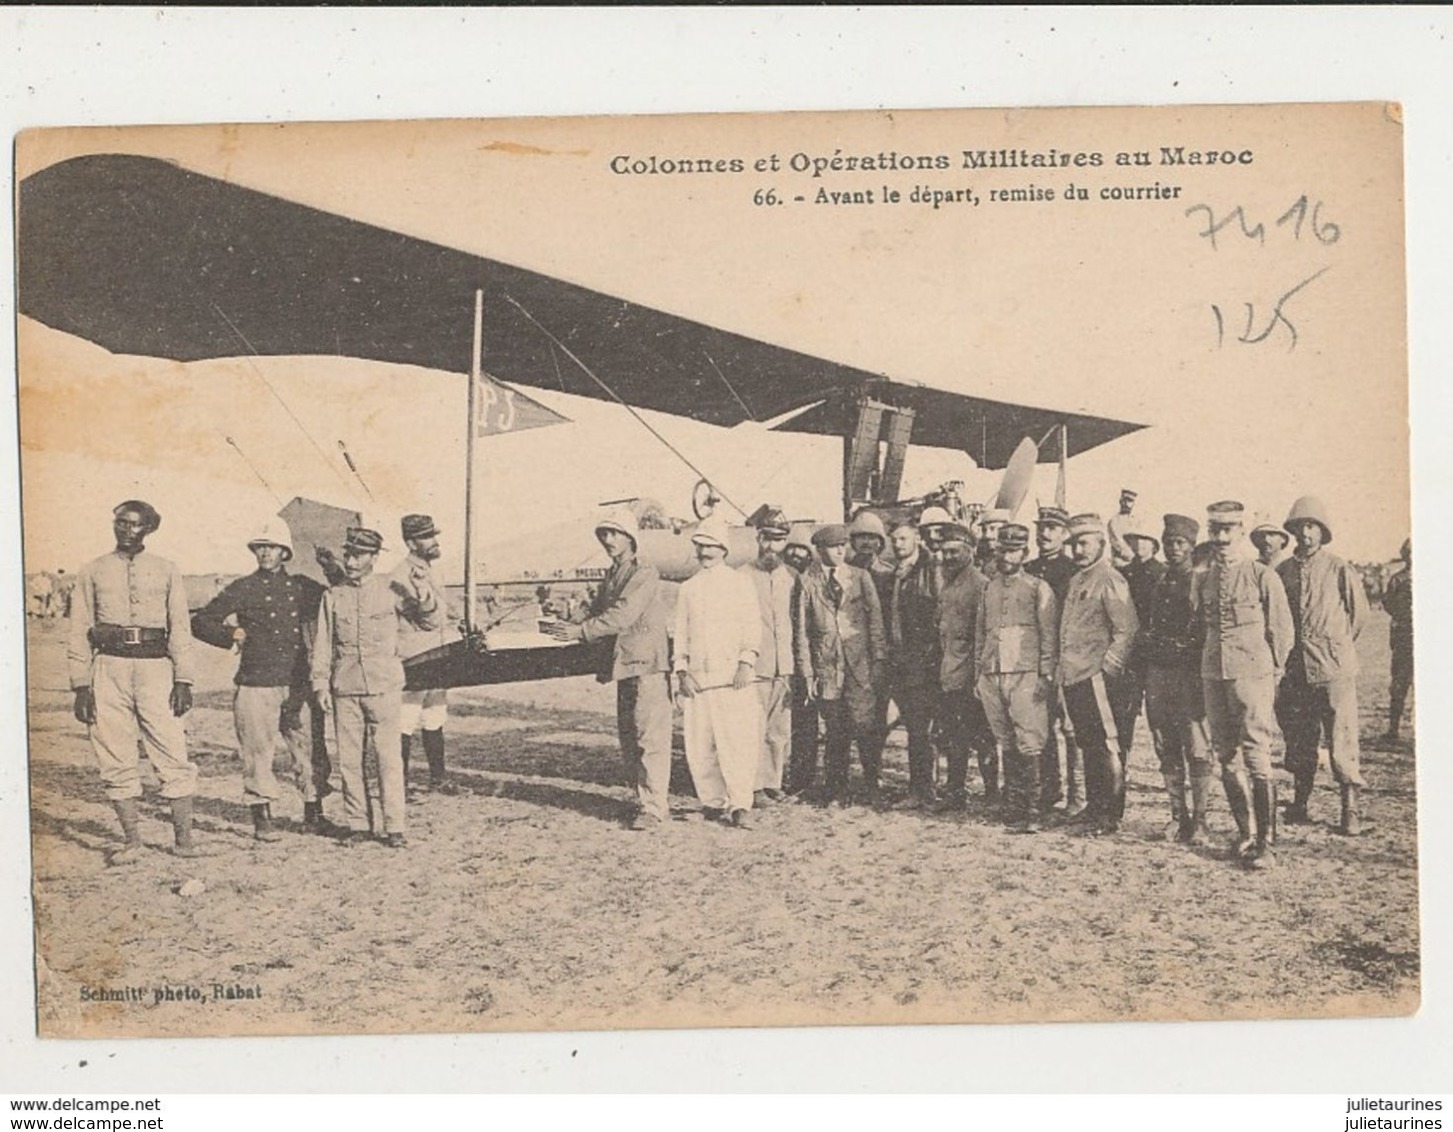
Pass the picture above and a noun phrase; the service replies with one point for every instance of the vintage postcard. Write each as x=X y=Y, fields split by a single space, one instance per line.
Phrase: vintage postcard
x=839 y=568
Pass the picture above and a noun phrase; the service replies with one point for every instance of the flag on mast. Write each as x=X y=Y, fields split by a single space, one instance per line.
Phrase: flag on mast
x=502 y=408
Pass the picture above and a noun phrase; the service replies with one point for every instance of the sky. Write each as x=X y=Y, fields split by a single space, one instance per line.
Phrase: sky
x=1100 y=306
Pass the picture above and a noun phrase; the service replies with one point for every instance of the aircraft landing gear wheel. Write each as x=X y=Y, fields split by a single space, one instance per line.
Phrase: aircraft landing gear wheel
x=704 y=499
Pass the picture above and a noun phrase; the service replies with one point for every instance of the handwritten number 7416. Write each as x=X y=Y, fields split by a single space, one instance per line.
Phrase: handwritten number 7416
x=1297 y=215
x=1277 y=318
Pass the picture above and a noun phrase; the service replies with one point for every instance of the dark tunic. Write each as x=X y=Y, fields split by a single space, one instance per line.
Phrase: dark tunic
x=278 y=612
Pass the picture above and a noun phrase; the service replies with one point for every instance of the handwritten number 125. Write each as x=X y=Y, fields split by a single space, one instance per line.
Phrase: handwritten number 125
x=1278 y=318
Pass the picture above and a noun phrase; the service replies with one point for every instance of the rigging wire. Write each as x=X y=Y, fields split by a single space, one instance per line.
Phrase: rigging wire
x=352 y=467
x=750 y=415
x=279 y=397
x=559 y=377
x=255 y=472
x=618 y=400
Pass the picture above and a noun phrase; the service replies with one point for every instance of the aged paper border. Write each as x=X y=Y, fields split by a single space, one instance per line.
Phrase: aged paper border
x=1172 y=56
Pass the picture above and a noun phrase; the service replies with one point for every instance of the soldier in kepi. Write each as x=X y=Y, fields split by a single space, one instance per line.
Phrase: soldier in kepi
x=1056 y=567
x=1319 y=689
x=775 y=586
x=628 y=612
x=1247 y=634
x=269 y=616
x=1123 y=520
x=358 y=676
x=1398 y=602
x=427 y=710
x=1170 y=646
x=130 y=658
x=1016 y=651
x=1098 y=626
x=963 y=726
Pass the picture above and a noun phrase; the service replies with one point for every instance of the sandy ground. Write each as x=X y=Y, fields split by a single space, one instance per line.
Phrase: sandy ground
x=523 y=904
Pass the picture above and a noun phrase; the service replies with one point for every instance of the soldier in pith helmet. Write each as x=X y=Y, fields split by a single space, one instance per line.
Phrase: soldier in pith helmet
x=269 y=617
x=1319 y=688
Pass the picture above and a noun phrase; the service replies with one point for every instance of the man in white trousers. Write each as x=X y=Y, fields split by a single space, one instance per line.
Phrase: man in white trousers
x=775 y=585
x=717 y=639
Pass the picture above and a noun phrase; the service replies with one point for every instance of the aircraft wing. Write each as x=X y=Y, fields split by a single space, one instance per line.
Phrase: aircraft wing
x=142 y=256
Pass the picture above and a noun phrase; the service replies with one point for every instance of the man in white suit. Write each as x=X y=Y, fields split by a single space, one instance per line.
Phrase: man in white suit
x=717 y=639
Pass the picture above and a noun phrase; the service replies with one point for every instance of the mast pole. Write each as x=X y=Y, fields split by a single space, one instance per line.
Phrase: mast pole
x=1064 y=456
x=475 y=366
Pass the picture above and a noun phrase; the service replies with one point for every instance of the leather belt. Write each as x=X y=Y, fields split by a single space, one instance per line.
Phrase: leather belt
x=139 y=642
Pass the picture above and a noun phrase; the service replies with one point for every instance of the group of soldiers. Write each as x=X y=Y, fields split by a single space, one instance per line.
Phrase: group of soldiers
x=981 y=652
x=1035 y=669
x=304 y=652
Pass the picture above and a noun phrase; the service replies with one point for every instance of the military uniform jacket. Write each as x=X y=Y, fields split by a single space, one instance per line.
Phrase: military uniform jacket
x=1098 y=625
x=1143 y=576
x=414 y=641
x=1017 y=627
x=1057 y=570
x=910 y=618
x=1329 y=609
x=139 y=590
x=356 y=649
x=838 y=639
x=630 y=607
x=775 y=590
x=958 y=616
x=279 y=613
x=1171 y=635
x=1245 y=622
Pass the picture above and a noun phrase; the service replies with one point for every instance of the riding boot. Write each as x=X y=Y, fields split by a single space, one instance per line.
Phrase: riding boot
x=1115 y=786
x=1074 y=777
x=1395 y=713
x=182 y=827
x=989 y=774
x=1263 y=854
x=1351 y=824
x=1237 y=797
x=1200 y=803
x=1175 y=789
x=128 y=813
x=313 y=814
x=1296 y=813
x=434 y=752
x=262 y=828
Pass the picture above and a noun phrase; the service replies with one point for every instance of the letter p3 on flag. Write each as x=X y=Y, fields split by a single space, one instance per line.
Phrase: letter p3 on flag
x=505 y=409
